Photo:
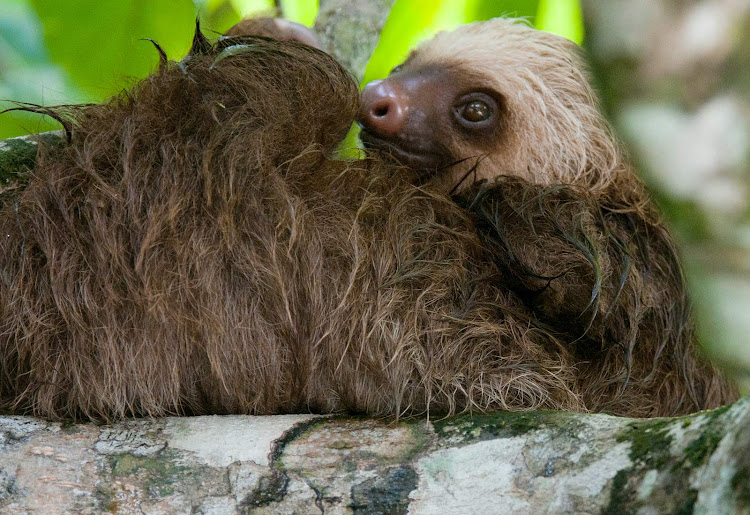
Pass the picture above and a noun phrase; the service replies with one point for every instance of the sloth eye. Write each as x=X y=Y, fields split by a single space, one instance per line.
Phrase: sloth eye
x=396 y=69
x=476 y=111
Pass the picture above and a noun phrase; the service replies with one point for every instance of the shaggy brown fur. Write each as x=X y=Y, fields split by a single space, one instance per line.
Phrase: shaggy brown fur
x=195 y=250
x=555 y=202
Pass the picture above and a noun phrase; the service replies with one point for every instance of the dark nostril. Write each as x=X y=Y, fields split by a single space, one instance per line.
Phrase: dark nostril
x=383 y=107
x=380 y=110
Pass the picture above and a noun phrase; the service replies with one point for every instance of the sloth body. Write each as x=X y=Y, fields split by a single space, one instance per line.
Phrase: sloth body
x=504 y=117
x=196 y=250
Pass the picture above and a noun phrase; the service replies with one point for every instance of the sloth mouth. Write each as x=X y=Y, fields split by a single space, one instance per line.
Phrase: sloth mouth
x=425 y=163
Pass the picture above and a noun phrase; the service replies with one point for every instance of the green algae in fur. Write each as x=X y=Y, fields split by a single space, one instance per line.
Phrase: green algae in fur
x=17 y=157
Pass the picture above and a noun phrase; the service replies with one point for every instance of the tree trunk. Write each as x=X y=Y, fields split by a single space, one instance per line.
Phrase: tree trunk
x=349 y=30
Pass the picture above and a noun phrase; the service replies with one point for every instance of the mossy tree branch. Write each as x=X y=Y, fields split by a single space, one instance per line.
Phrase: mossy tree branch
x=536 y=462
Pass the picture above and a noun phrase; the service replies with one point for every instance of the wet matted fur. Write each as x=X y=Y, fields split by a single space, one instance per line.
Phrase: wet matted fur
x=195 y=250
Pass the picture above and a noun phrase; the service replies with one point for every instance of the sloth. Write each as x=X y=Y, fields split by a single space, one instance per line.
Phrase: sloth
x=503 y=117
x=196 y=248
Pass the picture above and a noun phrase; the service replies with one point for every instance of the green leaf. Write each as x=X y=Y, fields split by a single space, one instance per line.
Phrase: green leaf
x=562 y=17
x=97 y=42
x=486 y=9
x=217 y=16
x=350 y=147
x=410 y=22
x=248 y=8
x=19 y=124
x=301 y=11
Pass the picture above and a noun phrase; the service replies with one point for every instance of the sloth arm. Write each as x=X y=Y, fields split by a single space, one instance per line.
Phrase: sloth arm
x=592 y=265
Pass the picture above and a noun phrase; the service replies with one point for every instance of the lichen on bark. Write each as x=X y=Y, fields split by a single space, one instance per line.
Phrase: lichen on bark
x=528 y=462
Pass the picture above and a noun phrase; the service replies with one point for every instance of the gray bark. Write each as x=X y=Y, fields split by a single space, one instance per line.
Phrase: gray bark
x=536 y=462
x=350 y=30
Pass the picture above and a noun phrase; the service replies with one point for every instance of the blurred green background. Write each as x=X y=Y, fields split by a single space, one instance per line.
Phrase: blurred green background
x=74 y=51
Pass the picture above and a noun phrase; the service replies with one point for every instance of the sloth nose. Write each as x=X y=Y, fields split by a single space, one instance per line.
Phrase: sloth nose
x=383 y=108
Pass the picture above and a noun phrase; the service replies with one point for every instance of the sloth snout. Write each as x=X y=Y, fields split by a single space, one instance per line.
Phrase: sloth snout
x=383 y=108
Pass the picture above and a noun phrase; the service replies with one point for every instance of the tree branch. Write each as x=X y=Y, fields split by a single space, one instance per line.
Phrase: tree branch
x=495 y=463
x=349 y=30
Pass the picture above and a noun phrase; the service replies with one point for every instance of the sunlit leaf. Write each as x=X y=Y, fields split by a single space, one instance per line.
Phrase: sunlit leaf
x=19 y=124
x=350 y=147
x=250 y=7
x=486 y=9
x=301 y=11
x=562 y=17
x=218 y=16
x=97 y=43
x=410 y=22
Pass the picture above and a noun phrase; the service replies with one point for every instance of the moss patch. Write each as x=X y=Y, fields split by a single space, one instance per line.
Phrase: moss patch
x=650 y=450
x=417 y=440
x=270 y=489
x=620 y=498
x=741 y=484
x=420 y=438
x=69 y=426
x=105 y=500
x=704 y=446
x=292 y=434
x=649 y=443
x=480 y=427
x=17 y=155
x=687 y=506
x=157 y=474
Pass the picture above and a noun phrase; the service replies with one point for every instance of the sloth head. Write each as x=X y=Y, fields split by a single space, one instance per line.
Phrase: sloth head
x=499 y=93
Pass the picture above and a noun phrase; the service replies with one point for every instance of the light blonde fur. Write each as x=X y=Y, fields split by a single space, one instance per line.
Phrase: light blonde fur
x=556 y=131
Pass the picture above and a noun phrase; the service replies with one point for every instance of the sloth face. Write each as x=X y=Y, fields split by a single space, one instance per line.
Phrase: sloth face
x=424 y=116
x=488 y=99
